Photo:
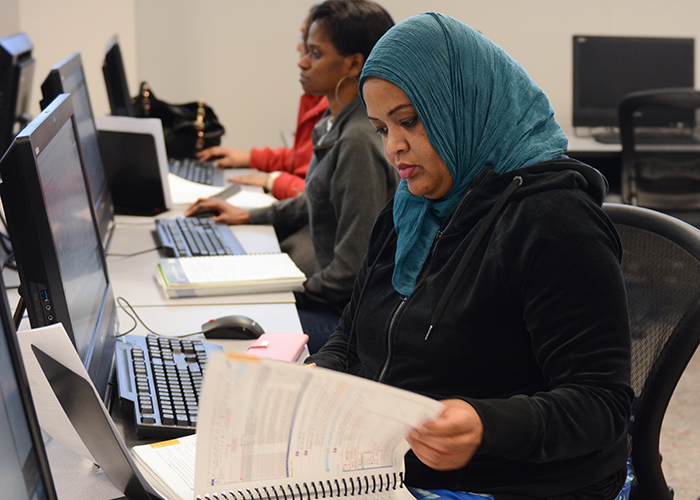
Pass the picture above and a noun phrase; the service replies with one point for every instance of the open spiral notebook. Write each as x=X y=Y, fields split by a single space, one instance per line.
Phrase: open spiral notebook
x=273 y=430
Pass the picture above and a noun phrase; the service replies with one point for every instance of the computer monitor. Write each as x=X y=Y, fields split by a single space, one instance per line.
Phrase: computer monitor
x=605 y=68
x=68 y=77
x=59 y=254
x=115 y=80
x=16 y=76
x=24 y=468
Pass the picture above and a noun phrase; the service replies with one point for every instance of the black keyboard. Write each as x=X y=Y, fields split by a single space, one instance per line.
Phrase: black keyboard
x=160 y=378
x=196 y=236
x=193 y=170
x=650 y=138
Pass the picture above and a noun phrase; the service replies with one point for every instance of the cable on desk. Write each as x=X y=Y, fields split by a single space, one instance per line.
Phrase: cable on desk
x=129 y=310
x=110 y=233
x=19 y=312
x=133 y=254
x=9 y=262
x=6 y=245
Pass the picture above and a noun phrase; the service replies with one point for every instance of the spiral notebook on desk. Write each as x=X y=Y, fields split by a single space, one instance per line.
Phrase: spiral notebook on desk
x=273 y=430
x=229 y=275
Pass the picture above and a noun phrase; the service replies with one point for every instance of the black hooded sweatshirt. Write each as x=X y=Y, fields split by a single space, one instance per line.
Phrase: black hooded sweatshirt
x=533 y=332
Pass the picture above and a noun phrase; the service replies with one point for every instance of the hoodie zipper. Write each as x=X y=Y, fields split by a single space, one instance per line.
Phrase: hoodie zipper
x=388 y=342
x=421 y=276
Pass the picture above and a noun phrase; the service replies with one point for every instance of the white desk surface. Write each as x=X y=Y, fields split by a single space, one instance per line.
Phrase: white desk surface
x=183 y=320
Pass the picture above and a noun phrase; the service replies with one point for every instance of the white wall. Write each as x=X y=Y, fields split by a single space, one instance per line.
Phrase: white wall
x=59 y=28
x=240 y=55
x=9 y=17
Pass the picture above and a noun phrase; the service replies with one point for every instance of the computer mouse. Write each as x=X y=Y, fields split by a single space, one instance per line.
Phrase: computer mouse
x=232 y=327
x=205 y=213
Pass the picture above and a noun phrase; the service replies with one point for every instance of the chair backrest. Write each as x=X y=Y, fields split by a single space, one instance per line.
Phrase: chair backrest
x=663 y=177
x=661 y=267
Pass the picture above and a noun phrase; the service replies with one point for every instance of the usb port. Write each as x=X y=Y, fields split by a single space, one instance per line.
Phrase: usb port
x=44 y=295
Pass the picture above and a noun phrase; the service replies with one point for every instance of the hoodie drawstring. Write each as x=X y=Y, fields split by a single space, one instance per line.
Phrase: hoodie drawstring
x=471 y=249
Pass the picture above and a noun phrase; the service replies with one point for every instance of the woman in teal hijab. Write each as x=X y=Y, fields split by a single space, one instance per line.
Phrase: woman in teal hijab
x=478 y=106
x=492 y=280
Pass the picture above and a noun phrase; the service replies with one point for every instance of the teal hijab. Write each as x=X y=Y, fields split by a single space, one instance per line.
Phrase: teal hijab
x=478 y=106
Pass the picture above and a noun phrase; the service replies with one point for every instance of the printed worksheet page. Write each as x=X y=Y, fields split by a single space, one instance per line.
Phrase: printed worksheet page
x=271 y=423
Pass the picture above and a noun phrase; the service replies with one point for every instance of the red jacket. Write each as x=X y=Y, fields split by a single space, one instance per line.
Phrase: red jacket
x=292 y=162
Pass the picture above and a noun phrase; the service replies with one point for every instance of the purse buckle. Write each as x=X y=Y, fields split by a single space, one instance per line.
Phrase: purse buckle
x=146 y=95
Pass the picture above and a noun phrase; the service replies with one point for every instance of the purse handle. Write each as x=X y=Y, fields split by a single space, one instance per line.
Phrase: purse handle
x=199 y=124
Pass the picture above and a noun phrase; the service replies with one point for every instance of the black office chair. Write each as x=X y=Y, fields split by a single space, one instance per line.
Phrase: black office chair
x=667 y=177
x=661 y=267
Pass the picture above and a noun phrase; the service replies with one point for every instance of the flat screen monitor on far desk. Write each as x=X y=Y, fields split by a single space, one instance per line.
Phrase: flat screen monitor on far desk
x=51 y=222
x=606 y=68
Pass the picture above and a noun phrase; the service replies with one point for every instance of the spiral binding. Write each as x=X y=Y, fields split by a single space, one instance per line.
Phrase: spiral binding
x=353 y=486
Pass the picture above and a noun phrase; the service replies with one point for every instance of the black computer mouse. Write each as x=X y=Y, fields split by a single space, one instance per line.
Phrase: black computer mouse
x=232 y=327
x=205 y=213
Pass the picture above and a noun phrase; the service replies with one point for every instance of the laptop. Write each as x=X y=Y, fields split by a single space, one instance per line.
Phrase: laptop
x=135 y=164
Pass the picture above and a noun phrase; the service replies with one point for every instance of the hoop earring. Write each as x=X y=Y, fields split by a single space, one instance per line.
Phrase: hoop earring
x=337 y=88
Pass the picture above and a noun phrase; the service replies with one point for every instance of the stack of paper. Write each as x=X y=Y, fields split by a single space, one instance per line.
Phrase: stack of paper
x=229 y=274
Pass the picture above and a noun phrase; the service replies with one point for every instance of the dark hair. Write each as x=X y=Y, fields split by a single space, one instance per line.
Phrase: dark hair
x=354 y=26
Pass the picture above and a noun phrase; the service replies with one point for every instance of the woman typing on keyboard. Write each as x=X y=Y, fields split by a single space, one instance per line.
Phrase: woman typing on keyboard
x=349 y=179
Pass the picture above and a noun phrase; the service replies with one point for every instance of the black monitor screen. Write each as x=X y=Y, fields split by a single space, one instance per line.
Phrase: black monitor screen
x=68 y=77
x=68 y=207
x=115 y=80
x=16 y=77
x=607 y=68
x=24 y=469
x=59 y=254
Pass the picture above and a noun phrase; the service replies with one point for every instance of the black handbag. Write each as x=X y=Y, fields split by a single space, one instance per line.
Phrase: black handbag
x=188 y=128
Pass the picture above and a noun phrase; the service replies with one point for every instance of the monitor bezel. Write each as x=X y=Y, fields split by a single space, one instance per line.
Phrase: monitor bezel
x=54 y=85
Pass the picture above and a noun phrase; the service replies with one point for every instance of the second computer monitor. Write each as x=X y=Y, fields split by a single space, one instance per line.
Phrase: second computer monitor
x=60 y=258
x=606 y=68
x=68 y=77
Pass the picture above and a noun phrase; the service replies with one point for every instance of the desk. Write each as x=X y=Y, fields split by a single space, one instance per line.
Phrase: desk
x=607 y=157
